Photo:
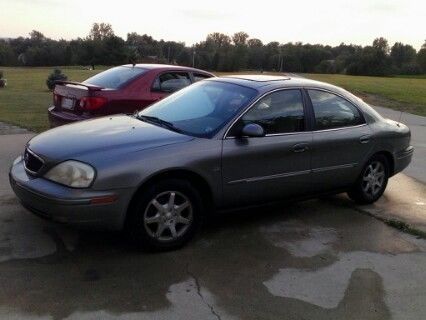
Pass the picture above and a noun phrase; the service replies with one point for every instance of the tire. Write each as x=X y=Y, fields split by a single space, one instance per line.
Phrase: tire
x=165 y=216
x=372 y=181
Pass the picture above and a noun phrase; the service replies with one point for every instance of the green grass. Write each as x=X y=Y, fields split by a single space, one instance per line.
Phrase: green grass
x=408 y=94
x=25 y=100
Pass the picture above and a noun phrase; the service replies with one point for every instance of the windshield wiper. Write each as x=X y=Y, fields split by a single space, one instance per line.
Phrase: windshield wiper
x=159 y=121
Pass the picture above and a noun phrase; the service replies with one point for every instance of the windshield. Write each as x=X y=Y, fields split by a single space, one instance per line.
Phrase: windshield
x=201 y=109
x=114 y=78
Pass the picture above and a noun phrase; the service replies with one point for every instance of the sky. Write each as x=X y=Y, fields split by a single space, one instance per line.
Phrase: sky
x=322 y=21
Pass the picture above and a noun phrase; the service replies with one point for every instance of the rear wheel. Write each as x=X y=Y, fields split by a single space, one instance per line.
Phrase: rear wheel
x=372 y=182
x=166 y=216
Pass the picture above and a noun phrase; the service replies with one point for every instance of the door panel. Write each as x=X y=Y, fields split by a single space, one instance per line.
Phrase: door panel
x=267 y=168
x=338 y=156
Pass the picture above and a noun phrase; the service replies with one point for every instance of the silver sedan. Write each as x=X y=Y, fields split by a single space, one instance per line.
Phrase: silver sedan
x=221 y=143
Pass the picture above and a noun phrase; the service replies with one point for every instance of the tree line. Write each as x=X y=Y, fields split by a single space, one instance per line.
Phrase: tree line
x=218 y=52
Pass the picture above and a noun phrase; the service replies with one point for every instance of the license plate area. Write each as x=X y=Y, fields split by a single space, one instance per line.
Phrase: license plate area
x=67 y=103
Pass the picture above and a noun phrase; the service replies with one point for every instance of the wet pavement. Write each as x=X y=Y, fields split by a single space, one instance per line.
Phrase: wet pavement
x=318 y=259
x=404 y=201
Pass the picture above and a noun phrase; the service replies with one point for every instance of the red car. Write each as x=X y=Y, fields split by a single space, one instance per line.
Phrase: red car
x=122 y=89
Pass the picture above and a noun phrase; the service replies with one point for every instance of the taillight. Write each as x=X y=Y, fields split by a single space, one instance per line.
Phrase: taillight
x=92 y=103
x=56 y=100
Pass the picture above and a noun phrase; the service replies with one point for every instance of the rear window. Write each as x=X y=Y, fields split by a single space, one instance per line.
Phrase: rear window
x=199 y=77
x=114 y=78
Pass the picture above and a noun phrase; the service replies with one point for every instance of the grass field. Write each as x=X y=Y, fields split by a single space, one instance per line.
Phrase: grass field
x=25 y=99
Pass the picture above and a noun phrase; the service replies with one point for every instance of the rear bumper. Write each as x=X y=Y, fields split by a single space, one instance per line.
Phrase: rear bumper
x=58 y=117
x=68 y=205
x=403 y=159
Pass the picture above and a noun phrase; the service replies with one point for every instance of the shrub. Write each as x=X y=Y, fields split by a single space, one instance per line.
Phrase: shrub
x=2 y=81
x=411 y=68
x=55 y=76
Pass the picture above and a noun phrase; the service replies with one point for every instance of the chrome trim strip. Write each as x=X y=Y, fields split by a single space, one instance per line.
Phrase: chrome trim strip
x=277 y=134
x=298 y=88
x=341 y=166
x=36 y=156
x=274 y=176
x=292 y=174
x=302 y=132
x=341 y=128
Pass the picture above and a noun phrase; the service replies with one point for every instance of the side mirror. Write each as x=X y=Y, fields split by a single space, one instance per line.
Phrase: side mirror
x=253 y=130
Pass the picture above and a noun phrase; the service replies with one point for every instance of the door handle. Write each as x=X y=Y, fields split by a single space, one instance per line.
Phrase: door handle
x=365 y=139
x=300 y=147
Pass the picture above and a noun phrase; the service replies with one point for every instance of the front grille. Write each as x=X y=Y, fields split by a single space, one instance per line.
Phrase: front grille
x=33 y=163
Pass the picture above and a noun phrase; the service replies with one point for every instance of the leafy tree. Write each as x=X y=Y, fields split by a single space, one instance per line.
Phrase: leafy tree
x=7 y=54
x=255 y=54
x=239 y=51
x=381 y=45
x=402 y=54
x=218 y=52
x=101 y=31
x=421 y=57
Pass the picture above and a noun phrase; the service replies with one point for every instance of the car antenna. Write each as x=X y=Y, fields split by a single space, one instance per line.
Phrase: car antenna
x=400 y=117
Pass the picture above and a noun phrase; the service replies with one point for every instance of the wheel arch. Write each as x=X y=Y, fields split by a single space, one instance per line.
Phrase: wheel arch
x=389 y=157
x=195 y=179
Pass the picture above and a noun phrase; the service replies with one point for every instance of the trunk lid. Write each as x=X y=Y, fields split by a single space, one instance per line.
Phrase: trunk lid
x=67 y=95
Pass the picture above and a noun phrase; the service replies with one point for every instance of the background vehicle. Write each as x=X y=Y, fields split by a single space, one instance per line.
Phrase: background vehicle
x=220 y=143
x=122 y=89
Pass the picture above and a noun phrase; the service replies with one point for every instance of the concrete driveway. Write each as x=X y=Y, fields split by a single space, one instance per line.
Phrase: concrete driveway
x=318 y=259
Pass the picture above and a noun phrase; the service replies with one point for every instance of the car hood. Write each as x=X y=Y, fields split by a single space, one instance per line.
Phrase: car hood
x=107 y=135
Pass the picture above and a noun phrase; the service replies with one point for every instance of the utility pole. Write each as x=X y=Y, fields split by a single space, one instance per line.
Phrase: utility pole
x=193 y=57
x=168 y=55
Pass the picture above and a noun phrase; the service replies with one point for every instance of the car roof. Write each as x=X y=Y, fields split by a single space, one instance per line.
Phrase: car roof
x=264 y=83
x=157 y=66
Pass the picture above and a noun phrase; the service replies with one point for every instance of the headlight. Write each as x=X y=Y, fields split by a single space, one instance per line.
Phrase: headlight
x=72 y=173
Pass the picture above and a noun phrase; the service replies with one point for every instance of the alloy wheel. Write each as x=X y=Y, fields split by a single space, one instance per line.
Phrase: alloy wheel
x=168 y=216
x=373 y=179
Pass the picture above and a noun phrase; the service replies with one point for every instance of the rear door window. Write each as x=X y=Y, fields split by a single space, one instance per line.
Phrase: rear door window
x=332 y=111
x=171 y=82
x=116 y=77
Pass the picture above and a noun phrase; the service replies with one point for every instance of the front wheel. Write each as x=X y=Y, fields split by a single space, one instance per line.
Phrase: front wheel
x=372 y=182
x=166 y=216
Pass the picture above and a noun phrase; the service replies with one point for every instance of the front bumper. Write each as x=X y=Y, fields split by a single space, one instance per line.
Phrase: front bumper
x=68 y=205
x=403 y=159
